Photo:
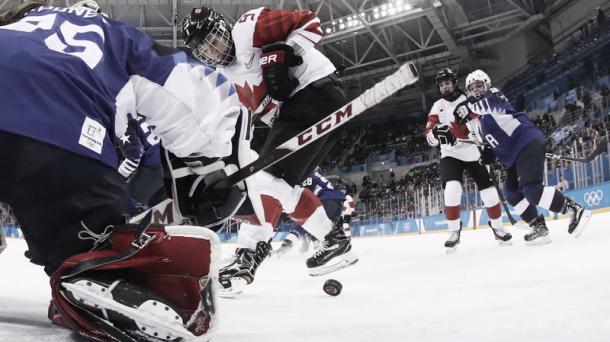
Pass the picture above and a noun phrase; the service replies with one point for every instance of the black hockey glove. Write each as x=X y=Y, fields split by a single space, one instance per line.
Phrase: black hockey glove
x=192 y=183
x=462 y=113
x=275 y=62
x=443 y=134
x=487 y=156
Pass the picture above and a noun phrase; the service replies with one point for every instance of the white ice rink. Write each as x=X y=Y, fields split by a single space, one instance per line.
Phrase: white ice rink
x=405 y=288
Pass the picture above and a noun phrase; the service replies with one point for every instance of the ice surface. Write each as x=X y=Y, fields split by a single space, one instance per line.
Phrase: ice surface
x=405 y=288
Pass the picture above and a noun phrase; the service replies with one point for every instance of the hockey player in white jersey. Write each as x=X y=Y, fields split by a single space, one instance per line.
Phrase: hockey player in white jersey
x=270 y=57
x=442 y=130
x=519 y=145
x=58 y=170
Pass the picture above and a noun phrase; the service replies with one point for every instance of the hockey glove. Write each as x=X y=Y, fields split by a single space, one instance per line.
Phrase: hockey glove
x=443 y=134
x=275 y=63
x=487 y=156
x=132 y=149
x=462 y=113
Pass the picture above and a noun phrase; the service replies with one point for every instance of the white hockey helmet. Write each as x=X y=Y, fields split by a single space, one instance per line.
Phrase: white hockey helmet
x=88 y=4
x=474 y=77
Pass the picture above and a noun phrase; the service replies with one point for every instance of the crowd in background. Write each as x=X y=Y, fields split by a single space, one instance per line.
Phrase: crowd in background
x=584 y=120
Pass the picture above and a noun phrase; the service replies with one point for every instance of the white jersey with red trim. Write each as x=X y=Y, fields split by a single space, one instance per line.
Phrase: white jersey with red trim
x=442 y=112
x=260 y=27
x=349 y=206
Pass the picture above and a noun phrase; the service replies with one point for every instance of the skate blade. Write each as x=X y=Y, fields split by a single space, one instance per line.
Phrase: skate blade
x=505 y=243
x=541 y=241
x=237 y=287
x=451 y=250
x=346 y=260
x=582 y=224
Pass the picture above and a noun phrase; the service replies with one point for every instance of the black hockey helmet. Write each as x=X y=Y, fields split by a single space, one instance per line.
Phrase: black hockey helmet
x=445 y=74
x=208 y=35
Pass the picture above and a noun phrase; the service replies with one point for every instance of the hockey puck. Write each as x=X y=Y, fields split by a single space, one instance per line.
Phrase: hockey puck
x=332 y=287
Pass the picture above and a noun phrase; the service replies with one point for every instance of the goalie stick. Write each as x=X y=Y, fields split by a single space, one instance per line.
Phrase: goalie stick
x=404 y=76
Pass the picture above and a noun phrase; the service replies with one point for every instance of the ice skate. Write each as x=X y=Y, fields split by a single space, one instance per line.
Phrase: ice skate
x=236 y=276
x=335 y=254
x=579 y=217
x=453 y=241
x=503 y=237
x=305 y=245
x=539 y=234
x=284 y=248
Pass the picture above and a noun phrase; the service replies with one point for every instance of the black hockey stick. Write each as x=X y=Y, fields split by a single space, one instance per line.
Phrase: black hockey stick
x=404 y=76
x=601 y=147
x=492 y=172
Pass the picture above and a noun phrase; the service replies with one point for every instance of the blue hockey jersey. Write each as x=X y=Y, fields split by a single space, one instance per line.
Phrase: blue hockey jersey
x=506 y=130
x=149 y=141
x=63 y=70
x=322 y=187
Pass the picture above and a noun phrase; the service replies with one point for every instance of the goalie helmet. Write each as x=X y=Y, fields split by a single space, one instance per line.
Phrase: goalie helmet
x=208 y=36
x=448 y=94
x=477 y=83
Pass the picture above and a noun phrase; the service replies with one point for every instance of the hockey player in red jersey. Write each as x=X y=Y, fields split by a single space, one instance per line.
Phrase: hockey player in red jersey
x=270 y=57
x=456 y=157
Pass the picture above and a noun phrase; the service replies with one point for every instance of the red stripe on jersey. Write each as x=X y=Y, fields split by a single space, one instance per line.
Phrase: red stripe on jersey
x=459 y=131
x=432 y=121
x=276 y=25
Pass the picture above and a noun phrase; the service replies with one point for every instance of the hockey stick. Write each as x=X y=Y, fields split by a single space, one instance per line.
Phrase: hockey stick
x=404 y=76
x=601 y=147
x=492 y=171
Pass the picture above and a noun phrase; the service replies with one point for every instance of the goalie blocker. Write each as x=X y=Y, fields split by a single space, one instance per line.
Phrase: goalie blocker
x=151 y=285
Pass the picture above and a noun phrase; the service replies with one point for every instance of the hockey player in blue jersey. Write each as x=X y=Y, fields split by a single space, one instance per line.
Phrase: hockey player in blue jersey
x=69 y=78
x=519 y=145
x=333 y=202
x=141 y=165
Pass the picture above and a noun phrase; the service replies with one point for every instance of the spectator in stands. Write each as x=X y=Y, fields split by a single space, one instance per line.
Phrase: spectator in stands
x=562 y=185
x=604 y=91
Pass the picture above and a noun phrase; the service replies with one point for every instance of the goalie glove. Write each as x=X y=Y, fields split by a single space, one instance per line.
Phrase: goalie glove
x=275 y=63
x=195 y=193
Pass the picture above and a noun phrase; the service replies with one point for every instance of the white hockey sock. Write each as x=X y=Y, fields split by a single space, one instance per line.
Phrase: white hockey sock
x=454 y=225
x=318 y=224
x=249 y=235
x=497 y=223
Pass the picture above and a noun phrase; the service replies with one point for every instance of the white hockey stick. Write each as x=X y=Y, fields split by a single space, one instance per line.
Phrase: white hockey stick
x=404 y=76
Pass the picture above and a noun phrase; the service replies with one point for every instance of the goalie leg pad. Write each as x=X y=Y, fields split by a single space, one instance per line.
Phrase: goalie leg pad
x=129 y=307
x=176 y=270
